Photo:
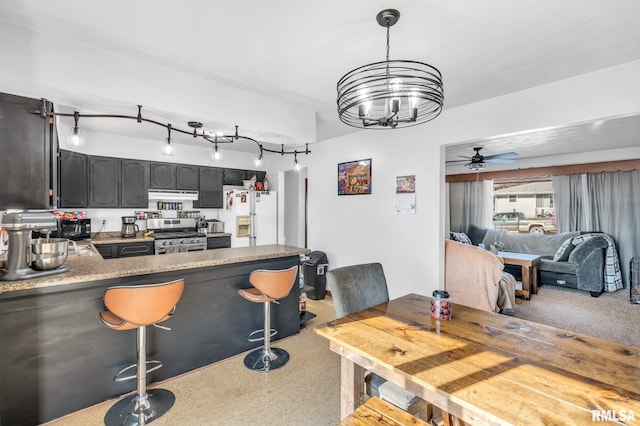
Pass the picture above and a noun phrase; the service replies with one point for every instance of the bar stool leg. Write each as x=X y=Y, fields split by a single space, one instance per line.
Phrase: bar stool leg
x=144 y=407
x=266 y=358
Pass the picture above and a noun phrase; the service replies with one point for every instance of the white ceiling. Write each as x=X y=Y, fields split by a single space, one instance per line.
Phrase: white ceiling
x=295 y=51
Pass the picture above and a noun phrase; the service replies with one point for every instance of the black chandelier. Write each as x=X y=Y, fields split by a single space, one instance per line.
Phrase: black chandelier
x=390 y=94
x=77 y=141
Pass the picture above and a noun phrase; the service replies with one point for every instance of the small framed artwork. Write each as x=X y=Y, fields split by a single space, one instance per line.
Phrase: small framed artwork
x=354 y=177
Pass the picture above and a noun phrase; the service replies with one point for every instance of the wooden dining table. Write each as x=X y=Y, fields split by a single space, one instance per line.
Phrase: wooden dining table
x=486 y=368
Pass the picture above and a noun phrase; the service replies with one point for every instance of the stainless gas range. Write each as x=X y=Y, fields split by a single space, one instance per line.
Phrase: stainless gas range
x=176 y=235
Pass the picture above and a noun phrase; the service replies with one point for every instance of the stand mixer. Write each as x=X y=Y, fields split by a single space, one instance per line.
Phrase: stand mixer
x=19 y=226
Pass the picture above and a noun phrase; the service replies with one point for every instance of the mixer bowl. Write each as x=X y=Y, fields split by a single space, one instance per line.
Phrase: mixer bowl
x=48 y=253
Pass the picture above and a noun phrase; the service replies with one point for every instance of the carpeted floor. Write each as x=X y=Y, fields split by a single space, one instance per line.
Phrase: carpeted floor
x=610 y=316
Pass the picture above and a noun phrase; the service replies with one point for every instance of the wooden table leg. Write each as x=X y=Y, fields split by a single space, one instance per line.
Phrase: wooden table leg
x=534 y=278
x=526 y=282
x=351 y=387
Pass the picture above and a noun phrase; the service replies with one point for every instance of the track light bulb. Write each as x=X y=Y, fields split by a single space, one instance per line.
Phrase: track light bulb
x=75 y=138
x=169 y=147
x=216 y=154
x=296 y=165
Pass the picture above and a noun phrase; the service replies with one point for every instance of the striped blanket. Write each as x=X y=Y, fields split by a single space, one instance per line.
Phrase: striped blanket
x=612 y=274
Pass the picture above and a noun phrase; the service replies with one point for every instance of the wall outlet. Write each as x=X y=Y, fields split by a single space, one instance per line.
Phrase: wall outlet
x=104 y=222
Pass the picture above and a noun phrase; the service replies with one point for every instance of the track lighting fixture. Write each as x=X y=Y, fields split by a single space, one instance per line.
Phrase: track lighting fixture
x=75 y=138
x=169 y=147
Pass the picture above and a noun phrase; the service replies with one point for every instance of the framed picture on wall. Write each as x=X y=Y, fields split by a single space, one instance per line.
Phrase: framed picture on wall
x=354 y=177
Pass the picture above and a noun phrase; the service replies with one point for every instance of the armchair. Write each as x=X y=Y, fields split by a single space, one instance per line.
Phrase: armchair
x=474 y=277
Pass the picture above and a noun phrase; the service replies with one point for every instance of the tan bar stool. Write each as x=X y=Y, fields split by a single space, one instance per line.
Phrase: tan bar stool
x=268 y=286
x=137 y=307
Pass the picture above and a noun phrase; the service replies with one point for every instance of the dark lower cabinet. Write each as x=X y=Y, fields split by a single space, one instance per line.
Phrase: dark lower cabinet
x=104 y=182
x=218 y=242
x=74 y=179
x=116 y=250
x=57 y=357
x=134 y=183
x=210 y=193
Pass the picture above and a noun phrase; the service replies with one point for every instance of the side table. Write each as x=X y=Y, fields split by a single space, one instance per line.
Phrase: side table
x=529 y=264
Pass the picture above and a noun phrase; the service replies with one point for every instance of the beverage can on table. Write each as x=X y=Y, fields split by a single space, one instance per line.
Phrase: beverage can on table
x=440 y=305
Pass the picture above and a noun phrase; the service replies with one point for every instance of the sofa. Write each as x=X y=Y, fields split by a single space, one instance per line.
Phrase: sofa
x=562 y=263
x=474 y=277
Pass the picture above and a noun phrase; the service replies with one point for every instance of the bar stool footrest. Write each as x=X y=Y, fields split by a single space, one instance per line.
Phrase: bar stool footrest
x=119 y=379
x=260 y=339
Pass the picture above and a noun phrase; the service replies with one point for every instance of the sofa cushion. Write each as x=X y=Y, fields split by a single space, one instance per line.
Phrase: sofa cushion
x=540 y=244
x=460 y=237
x=476 y=234
x=562 y=255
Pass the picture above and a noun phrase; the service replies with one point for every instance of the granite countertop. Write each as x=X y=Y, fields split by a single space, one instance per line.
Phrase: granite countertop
x=115 y=238
x=93 y=267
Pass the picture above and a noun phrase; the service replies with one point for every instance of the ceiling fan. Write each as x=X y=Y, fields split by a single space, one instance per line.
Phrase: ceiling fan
x=477 y=162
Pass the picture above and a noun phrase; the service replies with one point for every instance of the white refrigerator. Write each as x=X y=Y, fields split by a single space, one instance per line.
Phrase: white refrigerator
x=237 y=203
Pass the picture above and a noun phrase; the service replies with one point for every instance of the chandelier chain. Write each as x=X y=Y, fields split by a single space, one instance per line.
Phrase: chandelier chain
x=387 y=43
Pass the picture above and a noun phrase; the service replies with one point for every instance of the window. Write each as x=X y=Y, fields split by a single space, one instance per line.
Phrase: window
x=518 y=204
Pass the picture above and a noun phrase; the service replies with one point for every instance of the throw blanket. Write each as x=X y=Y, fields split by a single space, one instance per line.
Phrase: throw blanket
x=612 y=274
x=472 y=275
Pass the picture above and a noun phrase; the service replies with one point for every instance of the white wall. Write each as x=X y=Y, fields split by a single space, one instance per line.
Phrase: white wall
x=364 y=228
x=42 y=65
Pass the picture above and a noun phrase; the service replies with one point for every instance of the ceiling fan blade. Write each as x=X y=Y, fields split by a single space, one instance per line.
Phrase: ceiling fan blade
x=503 y=155
x=498 y=160
x=456 y=161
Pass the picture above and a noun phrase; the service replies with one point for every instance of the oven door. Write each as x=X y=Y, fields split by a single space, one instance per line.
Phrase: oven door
x=179 y=247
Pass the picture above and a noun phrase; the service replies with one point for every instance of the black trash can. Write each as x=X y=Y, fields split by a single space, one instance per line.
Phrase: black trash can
x=314 y=271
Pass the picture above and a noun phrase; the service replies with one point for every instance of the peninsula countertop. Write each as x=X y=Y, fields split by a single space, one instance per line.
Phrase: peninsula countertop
x=86 y=268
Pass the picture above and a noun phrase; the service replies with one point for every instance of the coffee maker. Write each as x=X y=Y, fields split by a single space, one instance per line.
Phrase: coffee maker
x=19 y=226
x=129 y=227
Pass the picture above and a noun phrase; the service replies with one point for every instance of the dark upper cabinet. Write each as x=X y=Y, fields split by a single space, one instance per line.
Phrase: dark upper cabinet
x=257 y=173
x=210 y=193
x=28 y=144
x=104 y=182
x=187 y=177
x=234 y=176
x=74 y=179
x=134 y=183
x=163 y=176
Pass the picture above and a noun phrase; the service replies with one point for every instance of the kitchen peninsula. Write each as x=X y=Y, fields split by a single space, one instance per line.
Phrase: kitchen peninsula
x=57 y=357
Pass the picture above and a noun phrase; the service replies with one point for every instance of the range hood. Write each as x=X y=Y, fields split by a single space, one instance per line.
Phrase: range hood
x=172 y=195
